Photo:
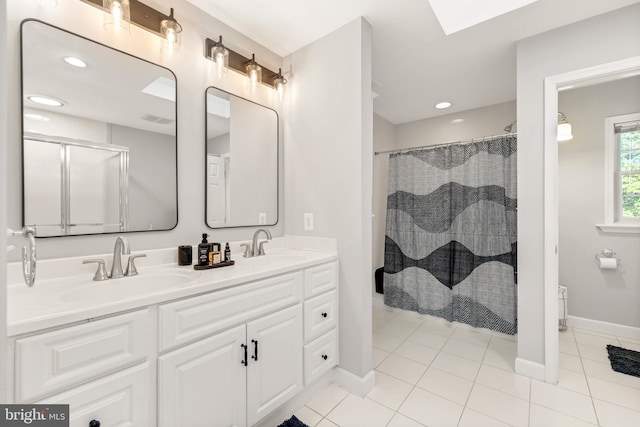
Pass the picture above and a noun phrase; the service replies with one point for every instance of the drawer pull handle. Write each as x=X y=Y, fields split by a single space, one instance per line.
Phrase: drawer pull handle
x=244 y=347
x=94 y=423
x=324 y=315
x=255 y=350
x=325 y=357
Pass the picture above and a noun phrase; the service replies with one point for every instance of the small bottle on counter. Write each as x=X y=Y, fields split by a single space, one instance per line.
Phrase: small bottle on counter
x=203 y=250
x=215 y=254
x=227 y=253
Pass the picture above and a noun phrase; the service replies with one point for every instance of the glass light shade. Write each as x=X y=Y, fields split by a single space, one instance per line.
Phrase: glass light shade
x=278 y=83
x=117 y=17
x=564 y=132
x=171 y=32
x=220 y=58
x=254 y=73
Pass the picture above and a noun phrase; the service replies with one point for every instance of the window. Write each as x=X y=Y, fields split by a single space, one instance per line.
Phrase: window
x=622 y=174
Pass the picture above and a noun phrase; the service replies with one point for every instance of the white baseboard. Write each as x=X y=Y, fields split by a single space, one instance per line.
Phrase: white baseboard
x=604 y=327
x=530 y=369
x=353 y=383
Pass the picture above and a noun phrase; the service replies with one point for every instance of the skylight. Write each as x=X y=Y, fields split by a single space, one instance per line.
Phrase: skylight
x=456 y=15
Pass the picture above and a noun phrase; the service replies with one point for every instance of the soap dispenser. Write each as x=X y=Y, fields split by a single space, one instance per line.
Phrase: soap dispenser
x=203 y=250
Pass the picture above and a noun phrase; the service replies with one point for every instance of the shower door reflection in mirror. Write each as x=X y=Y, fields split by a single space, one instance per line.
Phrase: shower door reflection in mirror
x=241 y=162
x=99 y=156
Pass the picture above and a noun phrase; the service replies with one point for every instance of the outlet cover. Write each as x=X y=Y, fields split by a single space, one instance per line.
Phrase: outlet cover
x=308 y=222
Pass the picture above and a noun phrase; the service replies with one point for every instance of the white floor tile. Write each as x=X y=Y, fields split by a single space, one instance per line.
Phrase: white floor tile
x=568 y=347
x=430 y=339
x=605 y=372
x=610 y=415
x=383 y=313
x=593 y=338
x=503 y=344
x=377 y=356
x=471 y=336
x=416 y=352
x=435 y=326
x=507 y=382
x=565 y=401
x=308 y=416
x=464 y=349
x=456 y=365
x=615 y=393
x=502 y=406
x=597 y=353
x=446 y=385
x=629 y=345
x=574 y=381
x=471 y=418
x=411 y=319
x=402 y=368
x=400 y=330
x=358 y=412
x=400 y=420
x=386 y=342
x=571 y=362
x=389 y=391
x=430 y=409
x=500 y=359
x=544 y=417
x=566 y=335
x=377 y=323
x=326 y=423
x=327 y=399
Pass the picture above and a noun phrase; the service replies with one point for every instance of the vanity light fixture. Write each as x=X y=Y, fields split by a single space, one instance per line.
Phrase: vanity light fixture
x=171 y=32
x=76 y=62
x=278 y=82
x=443 y=105
x=117 y=17
x=254 y=72
x=247 y=66
x=45 y=100
x=220 y=58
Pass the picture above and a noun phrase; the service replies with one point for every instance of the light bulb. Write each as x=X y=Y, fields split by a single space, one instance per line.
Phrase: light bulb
x=116 y=12
x=116 y=18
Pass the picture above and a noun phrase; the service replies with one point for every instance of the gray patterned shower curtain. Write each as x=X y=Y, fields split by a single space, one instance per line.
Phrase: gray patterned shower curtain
x=450 y=244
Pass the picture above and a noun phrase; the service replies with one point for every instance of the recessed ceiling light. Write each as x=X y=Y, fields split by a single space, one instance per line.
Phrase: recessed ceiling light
x=442 y=105
x=76 y=62
x=38 y=117
x=45 y=100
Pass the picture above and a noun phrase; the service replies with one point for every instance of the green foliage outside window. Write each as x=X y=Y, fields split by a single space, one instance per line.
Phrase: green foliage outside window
x=630 y=168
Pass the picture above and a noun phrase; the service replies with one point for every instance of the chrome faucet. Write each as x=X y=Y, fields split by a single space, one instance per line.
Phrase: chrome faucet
x=256 y=249
x=121 y=248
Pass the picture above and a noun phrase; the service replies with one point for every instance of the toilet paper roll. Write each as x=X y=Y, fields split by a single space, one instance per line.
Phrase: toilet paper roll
x=608 y=263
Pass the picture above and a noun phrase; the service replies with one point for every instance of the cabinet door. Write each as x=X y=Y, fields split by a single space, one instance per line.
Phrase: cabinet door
x=204 y=384
x=120 y=399
x=275 y=361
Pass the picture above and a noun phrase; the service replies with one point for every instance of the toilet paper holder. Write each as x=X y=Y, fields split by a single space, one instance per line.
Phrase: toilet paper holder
x=606 y=253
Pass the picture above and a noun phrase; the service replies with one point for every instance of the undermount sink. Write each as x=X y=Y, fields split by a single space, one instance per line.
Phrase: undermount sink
x=273 y=259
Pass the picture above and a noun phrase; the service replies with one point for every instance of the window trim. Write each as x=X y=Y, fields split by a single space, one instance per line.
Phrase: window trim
x=612 y=198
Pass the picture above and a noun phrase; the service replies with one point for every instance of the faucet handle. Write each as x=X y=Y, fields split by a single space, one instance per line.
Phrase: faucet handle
x=131 y=265
x=101 y=272
x=247 y=250
x=261 y=247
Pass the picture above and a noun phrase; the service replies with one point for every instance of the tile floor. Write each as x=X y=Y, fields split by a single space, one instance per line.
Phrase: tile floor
x=429 y=373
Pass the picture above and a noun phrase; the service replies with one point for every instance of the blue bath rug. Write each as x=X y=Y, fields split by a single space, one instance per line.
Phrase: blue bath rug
x=624 y=361
x=293 y=422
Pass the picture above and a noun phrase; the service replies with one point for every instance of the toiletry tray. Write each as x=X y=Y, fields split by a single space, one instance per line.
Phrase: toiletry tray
x=218 y=265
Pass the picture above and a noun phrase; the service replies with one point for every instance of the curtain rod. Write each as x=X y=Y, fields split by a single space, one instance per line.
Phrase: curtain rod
x=459 y=142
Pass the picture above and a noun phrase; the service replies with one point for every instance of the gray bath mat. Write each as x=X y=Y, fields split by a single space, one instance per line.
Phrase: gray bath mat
x=624 y=361
x=293 y=422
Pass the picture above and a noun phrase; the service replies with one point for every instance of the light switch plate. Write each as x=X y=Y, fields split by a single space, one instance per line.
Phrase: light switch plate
x=308 y=222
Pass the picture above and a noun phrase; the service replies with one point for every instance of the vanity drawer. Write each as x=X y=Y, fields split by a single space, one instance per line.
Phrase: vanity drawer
x=320 y=315
x=188 y=320
x=55 y=360
x=320 y=356
x=320 y=279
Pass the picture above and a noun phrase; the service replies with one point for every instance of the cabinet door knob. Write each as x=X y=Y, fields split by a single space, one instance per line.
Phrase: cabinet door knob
x=324 y=315
x=94 y=423
x=325 y=357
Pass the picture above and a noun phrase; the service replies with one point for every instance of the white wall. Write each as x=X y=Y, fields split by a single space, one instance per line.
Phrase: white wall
x=4 y=372
x=328 y=158
x=610 y=37
x=192 y=71
x=605 y=295
x=475 y=123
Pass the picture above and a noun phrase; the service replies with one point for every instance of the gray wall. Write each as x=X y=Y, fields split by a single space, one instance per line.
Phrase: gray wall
x=605 y=295
x=328 y=157
x=476 y=123
x=610 y=37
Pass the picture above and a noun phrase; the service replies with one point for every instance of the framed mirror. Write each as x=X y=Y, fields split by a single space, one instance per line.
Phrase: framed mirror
x=241 y=162
x=99 y=137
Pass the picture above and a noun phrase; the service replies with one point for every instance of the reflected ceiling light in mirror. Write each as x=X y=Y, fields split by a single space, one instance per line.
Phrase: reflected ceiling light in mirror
x=171 y=33
x=45 y=100
x=162 y=87
x=442 y=105
x=117 y=17
x=76 y=62
x=254 y=72
x=564 y=128
x=37 y=117
x=457 y=121
x=278 y=83
x=220 y=59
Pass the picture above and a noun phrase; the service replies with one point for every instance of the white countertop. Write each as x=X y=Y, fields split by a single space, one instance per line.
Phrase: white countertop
x=57 y=299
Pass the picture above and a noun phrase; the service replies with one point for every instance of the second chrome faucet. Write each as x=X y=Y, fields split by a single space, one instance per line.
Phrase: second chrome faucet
x=120 y=248
x=256 y=249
